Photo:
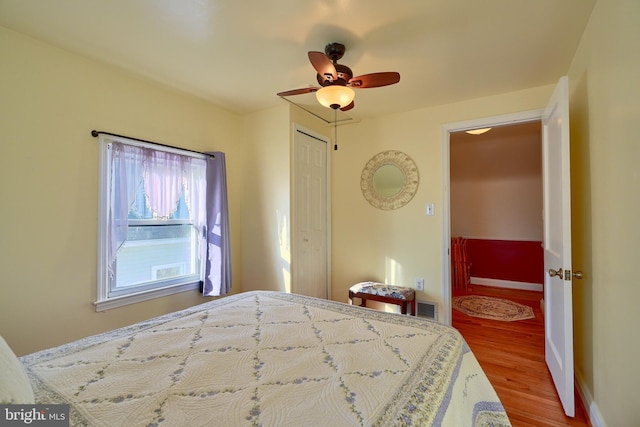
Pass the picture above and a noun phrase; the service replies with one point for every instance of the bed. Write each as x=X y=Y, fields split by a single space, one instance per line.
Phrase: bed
x=265 y=358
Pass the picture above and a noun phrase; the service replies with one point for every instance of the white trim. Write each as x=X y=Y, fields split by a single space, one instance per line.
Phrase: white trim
x=446 y=227
x=103 y=271
x=446 y=130
x=144 y=296
x=509 y=284
x=593 y=413
x=494 y=121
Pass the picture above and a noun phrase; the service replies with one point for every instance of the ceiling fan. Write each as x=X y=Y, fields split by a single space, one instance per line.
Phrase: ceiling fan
x=336 y=80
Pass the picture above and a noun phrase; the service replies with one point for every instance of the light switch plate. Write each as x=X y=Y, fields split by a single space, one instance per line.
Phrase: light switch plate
x=430 y=209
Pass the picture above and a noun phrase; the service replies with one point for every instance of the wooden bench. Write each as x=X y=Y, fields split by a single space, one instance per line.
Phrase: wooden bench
x=390 y=294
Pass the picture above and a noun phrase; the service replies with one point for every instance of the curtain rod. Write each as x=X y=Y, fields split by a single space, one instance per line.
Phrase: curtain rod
x=95 y=134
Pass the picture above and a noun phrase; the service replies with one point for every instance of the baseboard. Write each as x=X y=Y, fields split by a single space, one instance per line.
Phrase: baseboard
x=587 y=401
x=497 y=283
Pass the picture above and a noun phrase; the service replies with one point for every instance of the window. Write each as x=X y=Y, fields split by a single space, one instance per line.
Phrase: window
x=152 y=221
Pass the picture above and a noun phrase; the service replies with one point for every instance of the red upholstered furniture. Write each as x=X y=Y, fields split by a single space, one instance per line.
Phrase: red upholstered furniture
x=390 y=294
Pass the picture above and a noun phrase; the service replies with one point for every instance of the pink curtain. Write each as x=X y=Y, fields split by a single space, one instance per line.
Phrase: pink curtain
x=164 y=176
x=163 y=181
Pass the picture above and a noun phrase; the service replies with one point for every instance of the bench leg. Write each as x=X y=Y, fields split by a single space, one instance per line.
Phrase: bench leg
x=363 y=300
x=402 y=303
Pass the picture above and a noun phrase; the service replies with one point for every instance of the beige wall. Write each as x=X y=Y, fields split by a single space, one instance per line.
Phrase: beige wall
x=605 y=112
x=48 y=165
x=266 y=206
x=50 y=102
x=398 y=246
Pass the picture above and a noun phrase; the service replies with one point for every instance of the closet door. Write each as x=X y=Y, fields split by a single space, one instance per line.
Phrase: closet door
x=310 y=261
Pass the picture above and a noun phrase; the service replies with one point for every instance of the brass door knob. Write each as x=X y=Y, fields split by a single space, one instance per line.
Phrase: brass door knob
x=556 y=273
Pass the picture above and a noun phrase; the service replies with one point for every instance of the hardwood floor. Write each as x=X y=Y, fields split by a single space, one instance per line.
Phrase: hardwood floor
x=512 y=356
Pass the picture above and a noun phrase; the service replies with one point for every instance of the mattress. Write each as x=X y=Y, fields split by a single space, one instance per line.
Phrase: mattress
x=265 y=358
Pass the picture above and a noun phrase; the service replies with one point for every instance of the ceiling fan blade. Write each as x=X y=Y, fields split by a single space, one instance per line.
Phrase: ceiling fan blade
x=348 y=107
x=374 y=80
x=323 y=66
x=298 y=91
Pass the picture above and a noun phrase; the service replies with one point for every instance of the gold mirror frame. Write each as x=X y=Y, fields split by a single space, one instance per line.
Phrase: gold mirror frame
x=405 y=194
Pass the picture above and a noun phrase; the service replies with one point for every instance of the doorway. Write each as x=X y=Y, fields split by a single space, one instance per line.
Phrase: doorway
x=496 y=204
x=556 y=215
x=448 y=130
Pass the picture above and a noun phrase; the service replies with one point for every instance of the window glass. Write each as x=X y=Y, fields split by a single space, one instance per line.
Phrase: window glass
x=157 y=253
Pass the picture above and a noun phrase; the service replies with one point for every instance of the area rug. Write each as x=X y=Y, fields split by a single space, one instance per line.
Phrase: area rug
x=492 y=308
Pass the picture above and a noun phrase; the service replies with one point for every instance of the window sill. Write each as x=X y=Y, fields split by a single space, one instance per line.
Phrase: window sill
x=109 y=303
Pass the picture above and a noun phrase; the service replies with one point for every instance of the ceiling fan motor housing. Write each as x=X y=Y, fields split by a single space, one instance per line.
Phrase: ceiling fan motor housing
x=334 y=51
x=343 y=73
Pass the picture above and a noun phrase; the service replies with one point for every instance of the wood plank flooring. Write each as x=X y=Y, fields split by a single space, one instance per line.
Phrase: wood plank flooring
x=512 y=356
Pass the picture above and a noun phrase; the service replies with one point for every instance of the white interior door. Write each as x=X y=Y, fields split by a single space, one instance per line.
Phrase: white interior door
x=557 y=245
x=310 y=236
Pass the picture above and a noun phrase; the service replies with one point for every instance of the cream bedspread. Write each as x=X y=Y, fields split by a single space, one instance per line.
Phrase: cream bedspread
x=270 y=359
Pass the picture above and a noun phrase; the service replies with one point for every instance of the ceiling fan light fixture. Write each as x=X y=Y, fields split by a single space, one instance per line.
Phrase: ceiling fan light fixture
x=335 y=96
x=478 y=131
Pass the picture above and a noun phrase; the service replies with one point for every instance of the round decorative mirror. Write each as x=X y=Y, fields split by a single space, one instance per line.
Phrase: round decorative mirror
x=389 y=180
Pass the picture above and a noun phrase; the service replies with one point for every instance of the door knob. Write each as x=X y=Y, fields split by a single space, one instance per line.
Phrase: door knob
x=561 y=274
x=556 y=273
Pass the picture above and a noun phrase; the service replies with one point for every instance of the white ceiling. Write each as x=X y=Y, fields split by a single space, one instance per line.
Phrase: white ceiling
x=239 y=54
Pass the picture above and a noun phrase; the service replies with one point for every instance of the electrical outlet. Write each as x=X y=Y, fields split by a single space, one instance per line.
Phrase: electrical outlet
x=419 y=284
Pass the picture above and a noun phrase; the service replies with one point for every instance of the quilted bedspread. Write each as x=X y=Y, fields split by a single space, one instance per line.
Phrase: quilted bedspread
x=270 y=359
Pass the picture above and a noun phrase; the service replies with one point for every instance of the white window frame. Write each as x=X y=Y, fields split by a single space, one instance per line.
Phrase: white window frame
x=104 y=301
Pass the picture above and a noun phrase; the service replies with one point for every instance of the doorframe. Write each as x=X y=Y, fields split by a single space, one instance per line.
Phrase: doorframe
x=446 y=130
x=296 y=127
